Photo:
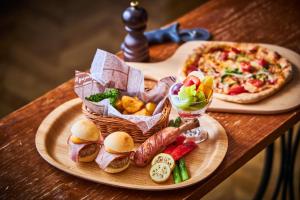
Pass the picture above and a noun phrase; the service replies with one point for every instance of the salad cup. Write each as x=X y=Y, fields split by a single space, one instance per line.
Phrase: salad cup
x=191 y=100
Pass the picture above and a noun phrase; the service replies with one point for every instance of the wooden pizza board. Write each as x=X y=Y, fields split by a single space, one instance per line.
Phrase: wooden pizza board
x=51 y=143
x=288 y=98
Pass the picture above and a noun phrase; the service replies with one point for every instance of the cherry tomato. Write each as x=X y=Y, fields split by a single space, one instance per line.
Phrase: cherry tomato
x=246 y=67
x=236 y=89
x=192 y=80
x=256 y=82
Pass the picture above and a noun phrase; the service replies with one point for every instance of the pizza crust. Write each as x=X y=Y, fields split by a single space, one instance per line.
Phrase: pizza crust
x=246 y=98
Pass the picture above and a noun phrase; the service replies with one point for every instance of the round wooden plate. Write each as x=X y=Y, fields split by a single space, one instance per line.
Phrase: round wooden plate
x=51 y=143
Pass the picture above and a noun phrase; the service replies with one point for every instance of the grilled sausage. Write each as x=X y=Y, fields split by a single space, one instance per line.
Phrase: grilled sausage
x=159 y=141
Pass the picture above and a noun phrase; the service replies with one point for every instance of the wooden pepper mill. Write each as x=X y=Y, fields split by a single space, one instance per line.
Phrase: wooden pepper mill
x=135 y=46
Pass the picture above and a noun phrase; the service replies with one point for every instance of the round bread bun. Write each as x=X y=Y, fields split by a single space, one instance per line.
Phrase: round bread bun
x=118 y=142
x=116 y=170
x=89 y=158
x=86 y=130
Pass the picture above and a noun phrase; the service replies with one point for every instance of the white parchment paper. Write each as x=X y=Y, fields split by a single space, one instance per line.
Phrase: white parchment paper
x=108 y=71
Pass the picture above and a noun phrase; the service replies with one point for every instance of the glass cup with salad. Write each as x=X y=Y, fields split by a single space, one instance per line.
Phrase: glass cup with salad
x=191 y=98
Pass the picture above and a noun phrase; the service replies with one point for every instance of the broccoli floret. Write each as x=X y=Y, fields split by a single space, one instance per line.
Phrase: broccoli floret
x=111 y=94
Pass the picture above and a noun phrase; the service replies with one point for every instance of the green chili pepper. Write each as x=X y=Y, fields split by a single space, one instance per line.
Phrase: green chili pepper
x=183 y=170
x=176 y=174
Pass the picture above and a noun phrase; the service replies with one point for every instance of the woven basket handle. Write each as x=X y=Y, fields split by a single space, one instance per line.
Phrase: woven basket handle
x=191 y=124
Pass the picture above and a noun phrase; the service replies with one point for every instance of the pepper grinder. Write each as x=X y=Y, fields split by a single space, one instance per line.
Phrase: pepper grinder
x=135 y=46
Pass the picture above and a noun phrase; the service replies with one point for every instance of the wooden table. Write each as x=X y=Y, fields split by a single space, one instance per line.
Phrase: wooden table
x=24 y=174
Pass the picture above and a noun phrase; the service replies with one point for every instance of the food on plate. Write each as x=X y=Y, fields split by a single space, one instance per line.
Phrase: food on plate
x=131 y=104
x=193 y=94
x=159 y=141
x=119 y=106
x=175 y=123
x=183 y=170
x=142 y=112
x=112 y=94
x=243 y=73
x=164 y=158
x=183 y=149
x=160 y=172
x=176 y=175
x=124 y=104
x=114 y=156
x=179 y=140
x=84 y=142
x=150 y=107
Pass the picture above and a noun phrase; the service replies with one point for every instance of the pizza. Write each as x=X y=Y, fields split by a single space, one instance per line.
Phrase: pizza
x=242 y=72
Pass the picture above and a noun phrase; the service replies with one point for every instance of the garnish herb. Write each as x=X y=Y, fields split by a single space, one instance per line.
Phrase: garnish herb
x=175 y=123
x=111 y=94
x=232 y=71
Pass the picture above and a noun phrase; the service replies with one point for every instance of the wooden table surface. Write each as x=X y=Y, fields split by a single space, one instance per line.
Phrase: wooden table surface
x=25 y=175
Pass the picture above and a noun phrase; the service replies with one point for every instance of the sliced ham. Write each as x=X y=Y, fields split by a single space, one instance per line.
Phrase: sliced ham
x=104 y=158
x=75 y=148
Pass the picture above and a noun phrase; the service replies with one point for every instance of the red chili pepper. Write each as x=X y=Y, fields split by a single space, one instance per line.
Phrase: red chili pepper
x=179 y=140
x=183 y=149
x=236 y=89
x=170 y=148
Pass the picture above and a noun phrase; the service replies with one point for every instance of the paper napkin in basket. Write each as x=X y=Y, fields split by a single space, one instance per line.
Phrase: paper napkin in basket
x=108 y=71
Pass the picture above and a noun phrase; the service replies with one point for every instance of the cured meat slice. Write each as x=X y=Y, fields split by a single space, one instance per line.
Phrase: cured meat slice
x=76 y=148
x=104 y=158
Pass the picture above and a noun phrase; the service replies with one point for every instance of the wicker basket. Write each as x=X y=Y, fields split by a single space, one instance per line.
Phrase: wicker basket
x=108 y=125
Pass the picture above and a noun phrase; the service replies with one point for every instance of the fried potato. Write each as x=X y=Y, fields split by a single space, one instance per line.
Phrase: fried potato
x=142 y=112
x=150 y=107
x=131 y=104
x=119 y=105
x=126 y=113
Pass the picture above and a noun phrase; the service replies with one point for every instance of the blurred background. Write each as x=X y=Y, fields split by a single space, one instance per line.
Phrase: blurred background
x=43 y=42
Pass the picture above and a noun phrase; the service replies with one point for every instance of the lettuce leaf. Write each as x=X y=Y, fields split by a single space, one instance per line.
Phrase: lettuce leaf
x=187 y=92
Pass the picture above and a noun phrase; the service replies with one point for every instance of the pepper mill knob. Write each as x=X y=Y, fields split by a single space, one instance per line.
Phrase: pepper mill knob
x=135 y=46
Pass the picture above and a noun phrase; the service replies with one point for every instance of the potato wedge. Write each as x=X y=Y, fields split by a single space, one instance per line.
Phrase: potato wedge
x=142 y=112
x=126 y=113
x=119 y=105
x=150 y=107
x=131 y=104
